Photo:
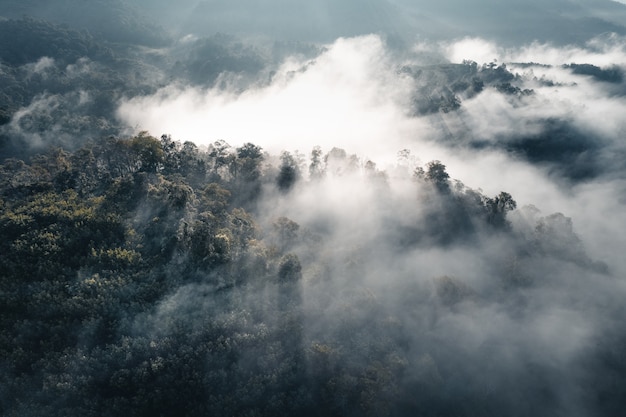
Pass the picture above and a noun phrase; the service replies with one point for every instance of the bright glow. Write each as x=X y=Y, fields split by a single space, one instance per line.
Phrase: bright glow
x=350 y=96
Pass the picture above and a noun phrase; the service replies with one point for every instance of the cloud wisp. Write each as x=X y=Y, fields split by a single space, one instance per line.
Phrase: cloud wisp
x=362 y=230
x=354 y=95
x=350 y=96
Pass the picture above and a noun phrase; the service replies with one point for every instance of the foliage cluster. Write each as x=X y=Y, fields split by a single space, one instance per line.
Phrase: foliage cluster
x=136 y=280
x=145 y=276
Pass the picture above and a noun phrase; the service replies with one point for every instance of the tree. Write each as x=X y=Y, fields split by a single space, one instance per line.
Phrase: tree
x=289 y=269
x=316 y=168
x=336 y=161
x=147 y=151
x=214 y=198
x=286 y=232
x=498 y=207
x=289 y=172
x=246 y=173
x=249 y=150
x=222 y=156
x=171 y=154
x=289 y=277
x=437 y=175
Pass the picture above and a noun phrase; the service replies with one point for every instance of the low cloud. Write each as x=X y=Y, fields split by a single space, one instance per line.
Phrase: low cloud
x=355 y=96
x=378 y=274
x=40 y=67
x=606 y=50
x=350 y=96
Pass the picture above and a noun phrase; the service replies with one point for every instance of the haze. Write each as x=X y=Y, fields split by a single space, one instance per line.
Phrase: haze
x=375 y=207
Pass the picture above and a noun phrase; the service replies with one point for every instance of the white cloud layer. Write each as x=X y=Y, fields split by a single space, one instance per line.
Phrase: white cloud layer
x=604 y=51
x=350 y=96
x=354 y=97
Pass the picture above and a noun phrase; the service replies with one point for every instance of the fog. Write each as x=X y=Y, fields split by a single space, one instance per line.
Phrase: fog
x=323 y=21
x=438 y=209
x=350 y=96
x=355 y=97
x=481 y=307
x=513 y=23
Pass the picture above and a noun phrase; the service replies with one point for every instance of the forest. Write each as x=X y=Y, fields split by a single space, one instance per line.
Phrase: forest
x=352 y=221
x=139 y=279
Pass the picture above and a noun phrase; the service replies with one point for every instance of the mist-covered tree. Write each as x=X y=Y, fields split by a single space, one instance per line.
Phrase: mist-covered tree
x=222 y=155
x=316 y=167
x=437 y=175
x=133 y=285
x=498 y=207
x=286 y=233
x=246 y=174
x=289 y=269
x=148 y=152
x=289 y=172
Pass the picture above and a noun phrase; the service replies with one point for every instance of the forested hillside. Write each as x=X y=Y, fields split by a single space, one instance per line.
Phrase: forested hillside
x=141 y=276
x=341 y=208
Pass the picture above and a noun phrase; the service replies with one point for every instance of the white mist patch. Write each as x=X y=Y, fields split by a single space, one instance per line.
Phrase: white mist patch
x=475 y=49
x=40 y=67
x=577 y=99
x=353 y=96
x=603 y=51
x=350 y=96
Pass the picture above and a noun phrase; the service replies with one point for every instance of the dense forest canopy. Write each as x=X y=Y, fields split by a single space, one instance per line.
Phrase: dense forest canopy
x=380 y=208
x=144 y=275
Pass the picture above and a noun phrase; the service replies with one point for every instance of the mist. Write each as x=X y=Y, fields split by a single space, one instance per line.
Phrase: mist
x=403 y=21
x=336 y=208
x=554 y=142
x=358 y=95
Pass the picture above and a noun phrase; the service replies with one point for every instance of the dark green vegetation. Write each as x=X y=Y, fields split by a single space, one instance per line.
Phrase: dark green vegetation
x=60 y=85
x=111 y=20
x=136 y=280
x=69 y=63
x=442 y=88
x=568 y=150
x=143 y=276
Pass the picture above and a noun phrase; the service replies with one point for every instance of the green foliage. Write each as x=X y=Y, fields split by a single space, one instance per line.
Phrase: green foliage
x=497 y=208
x=113 y=20
x=32 y=39
x=147 y=152
x=50 y=232
x=436 y=173
x=285 y=233
x=205 y=59
x=613 y=74
x=136 y=278
x=289 y=172
x=65 y=83
x=214 y=198
x=289 y=269
x=443 y=88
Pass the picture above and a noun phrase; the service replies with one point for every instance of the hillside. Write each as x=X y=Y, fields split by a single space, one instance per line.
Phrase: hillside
x=277 y=208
